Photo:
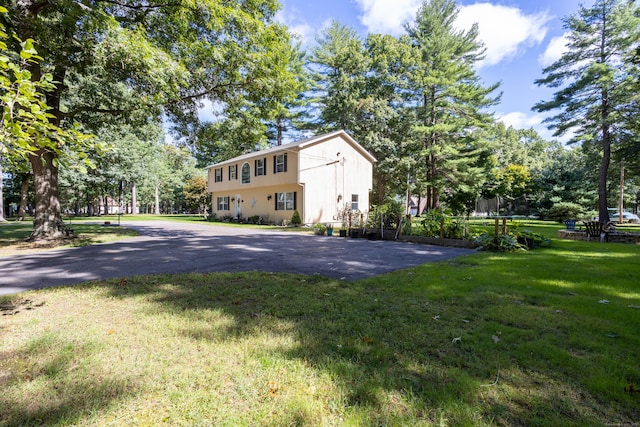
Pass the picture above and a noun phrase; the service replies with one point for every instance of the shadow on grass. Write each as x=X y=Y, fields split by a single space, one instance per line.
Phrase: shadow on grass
x=37 y=390
x=406 y=353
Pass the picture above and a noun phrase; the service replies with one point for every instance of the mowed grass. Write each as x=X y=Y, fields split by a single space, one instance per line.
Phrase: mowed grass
x=546 y=337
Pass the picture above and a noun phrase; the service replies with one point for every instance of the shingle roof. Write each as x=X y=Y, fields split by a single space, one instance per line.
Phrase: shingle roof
x=294 y=145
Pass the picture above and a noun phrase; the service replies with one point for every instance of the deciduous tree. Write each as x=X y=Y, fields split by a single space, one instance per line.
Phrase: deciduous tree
x=131 y=60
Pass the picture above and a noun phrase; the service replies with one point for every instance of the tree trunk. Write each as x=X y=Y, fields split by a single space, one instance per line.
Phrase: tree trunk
x=24 y=196
x=2 y=219
x=603 y=210
x=157 y=200
x=47 y=220
x=134 y=199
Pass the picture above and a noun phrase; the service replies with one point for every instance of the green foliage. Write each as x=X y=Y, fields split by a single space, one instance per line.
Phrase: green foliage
x=318 y=229
x=27 y=125
x=596 y=88
x=196 y=195
x=563 y=210
x=295 y=218
x=444 y=80
x=514 y=240
x=500 y=243
x=436 y=223
x=386 y=215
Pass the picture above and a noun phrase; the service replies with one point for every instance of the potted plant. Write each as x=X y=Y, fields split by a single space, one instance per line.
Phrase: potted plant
x=344 y=215
x=329 y=229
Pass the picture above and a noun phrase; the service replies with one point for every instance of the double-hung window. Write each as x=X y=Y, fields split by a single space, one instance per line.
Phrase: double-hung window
x=354 y=202
x=223 y=203
x=233 y=172
x=286 y=201
x=218 y=175
x=280 y=163
x=260 y=167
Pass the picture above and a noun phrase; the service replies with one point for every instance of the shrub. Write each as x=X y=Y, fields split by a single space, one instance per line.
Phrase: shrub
x=510 y=242
x=435 y=219
x=295 y=218
x=390 y=212
x=319 y=229
x=500 y=243
x=563 y=210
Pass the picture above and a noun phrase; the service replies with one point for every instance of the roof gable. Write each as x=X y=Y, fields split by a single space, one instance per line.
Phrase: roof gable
x=298 y=146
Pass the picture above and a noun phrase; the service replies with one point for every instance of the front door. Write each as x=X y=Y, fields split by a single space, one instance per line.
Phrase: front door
x=238 y=207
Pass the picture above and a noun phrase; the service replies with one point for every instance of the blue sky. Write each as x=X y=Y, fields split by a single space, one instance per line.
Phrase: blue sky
x=521 y=37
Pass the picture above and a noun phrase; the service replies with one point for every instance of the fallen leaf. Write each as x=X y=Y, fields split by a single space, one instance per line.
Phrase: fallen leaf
x=456 y=339
x=436 y=317
x=273 y=387
x=604 y=301
x=495 y=338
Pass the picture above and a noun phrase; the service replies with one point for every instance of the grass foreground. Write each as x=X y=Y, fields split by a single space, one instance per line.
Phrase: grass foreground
x=547 y=337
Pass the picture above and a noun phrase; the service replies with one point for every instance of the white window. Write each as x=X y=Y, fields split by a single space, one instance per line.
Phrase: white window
x=280 y=163
x=233 y=172
x=218 y=173
x=223 y=203
x=246 y=173
x=286 y=201
x=354 y=202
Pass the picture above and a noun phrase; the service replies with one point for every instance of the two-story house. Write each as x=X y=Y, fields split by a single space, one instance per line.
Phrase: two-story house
x=316 y=176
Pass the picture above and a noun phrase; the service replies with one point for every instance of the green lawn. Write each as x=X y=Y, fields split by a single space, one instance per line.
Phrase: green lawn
x=546 y=337
x=14 y=234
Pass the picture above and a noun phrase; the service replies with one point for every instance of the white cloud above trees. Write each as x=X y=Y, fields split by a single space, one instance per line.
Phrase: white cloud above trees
x=556 y=47
x=506 y=31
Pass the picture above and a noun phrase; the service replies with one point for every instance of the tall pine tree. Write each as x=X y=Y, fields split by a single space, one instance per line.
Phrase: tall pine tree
x=594 y=90
x=450 y=103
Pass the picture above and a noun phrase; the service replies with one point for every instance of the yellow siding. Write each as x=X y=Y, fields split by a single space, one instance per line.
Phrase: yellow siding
x=324 y=173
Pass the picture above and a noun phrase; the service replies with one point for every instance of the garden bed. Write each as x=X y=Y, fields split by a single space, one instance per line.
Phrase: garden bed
x=436 y=241
x=616 y=237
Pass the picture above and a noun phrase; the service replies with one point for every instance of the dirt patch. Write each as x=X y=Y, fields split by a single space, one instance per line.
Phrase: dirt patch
x=15 y=307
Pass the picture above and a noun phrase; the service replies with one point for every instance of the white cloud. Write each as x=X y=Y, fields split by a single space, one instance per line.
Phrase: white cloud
x=520 y=120
x=387 y=16
x=506 y=31
x=297 y=25
x=557 y=46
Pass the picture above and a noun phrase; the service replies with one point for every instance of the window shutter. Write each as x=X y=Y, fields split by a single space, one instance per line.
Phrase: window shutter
x=274 y=164
x=230 y=172
x=285 y=162
x=276 y=198
x=255 y=168
x=265 y=166
x=295 y=194
x=236 y=167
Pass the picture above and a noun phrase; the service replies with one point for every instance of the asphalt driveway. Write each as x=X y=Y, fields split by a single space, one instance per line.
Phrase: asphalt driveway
x=172 y=247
